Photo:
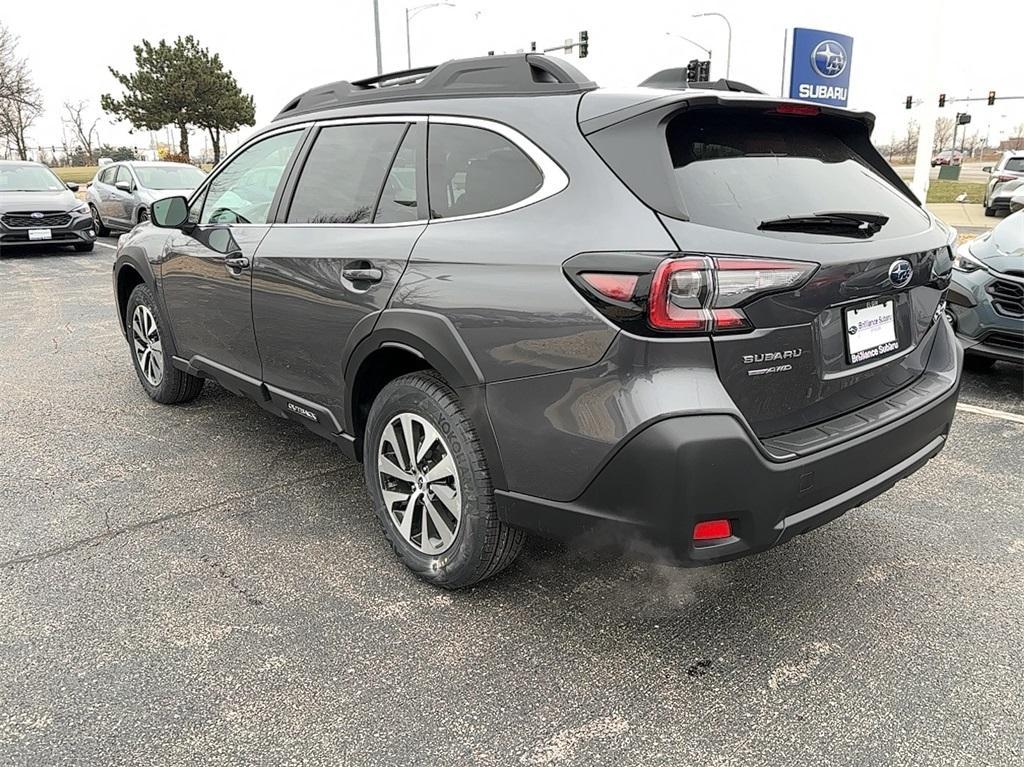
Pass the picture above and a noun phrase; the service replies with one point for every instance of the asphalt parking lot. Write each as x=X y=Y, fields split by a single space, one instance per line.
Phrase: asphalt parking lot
x=206 y=585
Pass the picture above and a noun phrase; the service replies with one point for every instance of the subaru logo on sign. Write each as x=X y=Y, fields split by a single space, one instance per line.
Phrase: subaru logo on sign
x=900 y=272
x=819 y=67
x=829 y=59
x=37 y=215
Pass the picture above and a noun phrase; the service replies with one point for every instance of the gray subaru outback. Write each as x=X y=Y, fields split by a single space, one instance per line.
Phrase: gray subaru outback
x=702 y=318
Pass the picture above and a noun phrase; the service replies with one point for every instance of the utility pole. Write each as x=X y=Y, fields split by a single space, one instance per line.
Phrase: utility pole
x=376 y=35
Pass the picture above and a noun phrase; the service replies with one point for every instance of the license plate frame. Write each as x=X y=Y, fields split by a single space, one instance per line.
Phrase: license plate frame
x=874 y=322
x=38 y=235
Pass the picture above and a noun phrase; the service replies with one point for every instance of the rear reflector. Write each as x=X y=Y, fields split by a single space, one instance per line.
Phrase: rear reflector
x=712 y=530
x=797 y=109
x=618 y=287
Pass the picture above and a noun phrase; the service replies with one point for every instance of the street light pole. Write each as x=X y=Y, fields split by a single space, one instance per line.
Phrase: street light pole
x=691 y=42
x=728 y=49
x=409 y=14
x=376 y=35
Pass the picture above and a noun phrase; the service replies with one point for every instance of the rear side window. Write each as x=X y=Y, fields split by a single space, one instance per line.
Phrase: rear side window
x=107 y=176
x=1015 y=164
x=735 y=171
x=473 y=170
x=343 y=174
x=399 y=198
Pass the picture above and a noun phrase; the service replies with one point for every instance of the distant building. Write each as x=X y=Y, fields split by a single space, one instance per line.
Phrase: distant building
x=1017 y=142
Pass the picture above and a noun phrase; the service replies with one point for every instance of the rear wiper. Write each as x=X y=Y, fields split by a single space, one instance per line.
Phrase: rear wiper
x=847 y=223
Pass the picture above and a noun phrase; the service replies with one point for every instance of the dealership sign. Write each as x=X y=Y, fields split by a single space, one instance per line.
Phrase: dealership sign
x=820 y=67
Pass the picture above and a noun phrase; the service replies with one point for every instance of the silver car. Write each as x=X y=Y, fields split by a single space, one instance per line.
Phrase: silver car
x=121 y=194
x=999 y=191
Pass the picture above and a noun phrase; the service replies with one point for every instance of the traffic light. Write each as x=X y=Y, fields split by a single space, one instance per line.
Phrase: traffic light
x=991 y=98
x=691 y=71
x=910 y=101
x=942 y=100
x=533 y=47
x=704 y=72
x=584 y=44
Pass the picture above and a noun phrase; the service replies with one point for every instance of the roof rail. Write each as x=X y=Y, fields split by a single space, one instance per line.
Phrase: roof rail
x=674 y=79
x=519 y=74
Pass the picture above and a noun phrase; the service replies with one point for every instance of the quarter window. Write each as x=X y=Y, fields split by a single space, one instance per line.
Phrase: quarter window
x=244 y=190
x=123 y=174
x=107 y=177
x=473 y=170
x=342 y=177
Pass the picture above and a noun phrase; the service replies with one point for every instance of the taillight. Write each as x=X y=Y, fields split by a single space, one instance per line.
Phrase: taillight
x=656 y=292
x=619 y=287
x=1006 y=178
x=702 y=294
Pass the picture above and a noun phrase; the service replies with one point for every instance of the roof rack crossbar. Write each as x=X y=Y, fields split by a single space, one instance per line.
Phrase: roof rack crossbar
x=510 y=75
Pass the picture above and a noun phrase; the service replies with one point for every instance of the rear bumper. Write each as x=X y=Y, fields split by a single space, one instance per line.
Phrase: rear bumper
x=684 y=469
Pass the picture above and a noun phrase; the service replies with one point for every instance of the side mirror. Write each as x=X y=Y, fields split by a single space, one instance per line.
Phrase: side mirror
x=169 y=213
x=987 y=169
x=72 y=186
x=124 y=186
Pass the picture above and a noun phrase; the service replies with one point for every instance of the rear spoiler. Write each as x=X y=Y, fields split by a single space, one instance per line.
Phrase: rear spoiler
x=691 y=97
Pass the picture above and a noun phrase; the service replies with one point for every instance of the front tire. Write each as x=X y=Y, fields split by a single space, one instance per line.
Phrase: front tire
x=97 y=222
x=142 y=216
x=146 y=330
x=431 y=488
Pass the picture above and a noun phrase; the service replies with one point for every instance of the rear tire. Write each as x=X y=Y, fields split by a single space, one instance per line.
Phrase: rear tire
x=142 y=216
x=422 y=408
x=146 y=330
x=101 y=229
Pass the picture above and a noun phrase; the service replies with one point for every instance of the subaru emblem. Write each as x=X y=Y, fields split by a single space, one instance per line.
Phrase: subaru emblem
x=37 y=215
x=829 y=58
x=900 y=272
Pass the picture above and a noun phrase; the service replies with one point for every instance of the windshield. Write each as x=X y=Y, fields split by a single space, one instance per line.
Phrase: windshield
x=169 y=176
x=736 y=170
x=28 y=178
x=1015 y=164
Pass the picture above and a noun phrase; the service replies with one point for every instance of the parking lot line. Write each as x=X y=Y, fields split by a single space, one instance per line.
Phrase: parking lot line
x=105 y=245
x=1016 y=418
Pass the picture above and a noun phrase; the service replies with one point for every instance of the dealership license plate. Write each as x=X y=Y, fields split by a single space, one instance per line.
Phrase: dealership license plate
x=40 y=234
x=870 y=331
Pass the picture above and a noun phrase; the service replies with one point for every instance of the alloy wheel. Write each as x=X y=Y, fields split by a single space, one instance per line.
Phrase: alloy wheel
x=97 y=222
x=149 y=352
x=419 y=483
x=143 y=216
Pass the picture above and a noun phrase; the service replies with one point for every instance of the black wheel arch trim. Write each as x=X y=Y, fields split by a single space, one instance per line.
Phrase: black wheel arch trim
x=434 y=339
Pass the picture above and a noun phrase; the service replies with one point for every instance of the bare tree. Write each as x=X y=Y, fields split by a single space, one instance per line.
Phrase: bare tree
x=16 y=117
x=943 y=133
x=83 y=131
x=908 y=144
x=20 y=102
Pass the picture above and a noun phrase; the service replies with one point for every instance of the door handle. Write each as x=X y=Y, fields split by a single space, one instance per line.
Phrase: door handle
x=370 y=274
x=237 y=262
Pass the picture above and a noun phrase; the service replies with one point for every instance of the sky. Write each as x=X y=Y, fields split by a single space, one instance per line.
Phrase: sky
x=277 y=50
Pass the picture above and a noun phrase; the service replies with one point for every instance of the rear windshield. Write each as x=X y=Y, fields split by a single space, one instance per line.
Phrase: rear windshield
x=736 y=170
x=1015 y=164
